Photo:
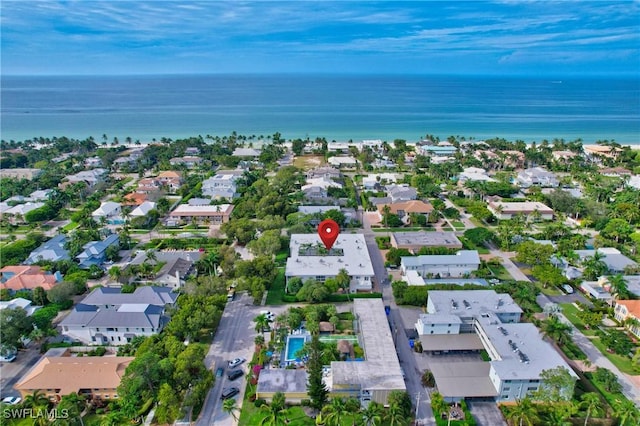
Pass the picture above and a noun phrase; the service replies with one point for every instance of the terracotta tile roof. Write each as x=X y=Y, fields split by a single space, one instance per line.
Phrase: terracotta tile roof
x=633 y=306
x=26 y=278
x=70 y=374
x=412 y=206
x=134 y=199
x=170 y=175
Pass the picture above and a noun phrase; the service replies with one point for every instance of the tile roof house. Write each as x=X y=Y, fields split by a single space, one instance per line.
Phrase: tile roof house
x=405 y=209
x=110 y=317
x=173 y=180
x=626 y=310
x=92 y=376
x=134 y=199
x=148 y=186
x=95 y=252
x=16 y=278
x=52 y=250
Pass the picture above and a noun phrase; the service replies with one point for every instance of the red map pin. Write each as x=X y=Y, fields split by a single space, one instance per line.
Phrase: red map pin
x=328 y=231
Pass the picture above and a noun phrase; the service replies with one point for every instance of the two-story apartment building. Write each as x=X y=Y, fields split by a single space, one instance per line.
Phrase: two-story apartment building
x=460 y=264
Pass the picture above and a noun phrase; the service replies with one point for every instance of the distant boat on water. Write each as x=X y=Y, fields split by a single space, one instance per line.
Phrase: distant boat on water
x=556 y=82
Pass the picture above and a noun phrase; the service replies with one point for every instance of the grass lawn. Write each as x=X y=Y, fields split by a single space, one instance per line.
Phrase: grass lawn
x=307 y=162
x=500 y=272
x=571 y=312
x=71 y=225
x=274 y=296
x=608 y=396
x=458 y=224
x=622 y=362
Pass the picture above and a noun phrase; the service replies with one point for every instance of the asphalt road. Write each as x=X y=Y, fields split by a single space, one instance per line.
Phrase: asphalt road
x=11 y=372
x=234 y=338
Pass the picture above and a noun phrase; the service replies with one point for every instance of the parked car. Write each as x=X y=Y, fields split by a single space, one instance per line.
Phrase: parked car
x=219 y=372
x=12 y=400
x=234 y=374
x=270 y=315
x=236 y=362
x=567 y=289
x=229 y=393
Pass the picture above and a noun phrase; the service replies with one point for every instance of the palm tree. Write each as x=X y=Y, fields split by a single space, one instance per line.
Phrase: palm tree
x=276 y=412
x=619 y=286
x=262 y=322
x=229 y=406
x=334 y=412
x=524 y=412
x=396 y=416
x=35 y=400
x=592 y=403
x=626 y=410
x=372 y=415
x=556 y=330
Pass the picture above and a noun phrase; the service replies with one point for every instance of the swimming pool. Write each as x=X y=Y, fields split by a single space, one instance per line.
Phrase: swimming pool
x=294 y=344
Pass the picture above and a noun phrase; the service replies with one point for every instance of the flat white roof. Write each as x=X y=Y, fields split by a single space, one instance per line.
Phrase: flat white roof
x=381 y=368
x=523 y=207
x=187 y=210
x=469 y=303
x=463 y=257
x=349 y=252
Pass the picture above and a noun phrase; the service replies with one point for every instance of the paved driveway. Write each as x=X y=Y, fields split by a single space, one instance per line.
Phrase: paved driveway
x=486 y=413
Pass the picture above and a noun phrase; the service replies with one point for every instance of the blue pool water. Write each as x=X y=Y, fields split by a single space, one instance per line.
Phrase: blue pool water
x=294 y=344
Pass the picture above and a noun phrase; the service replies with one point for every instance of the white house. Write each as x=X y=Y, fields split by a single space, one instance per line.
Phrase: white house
x=536 y=176
x=343 y=162
x=448 y=265
x=143 y=209
x=474 y=174
x=221 y=186
x=110 y=211
x=309 y=259
x=506 y=210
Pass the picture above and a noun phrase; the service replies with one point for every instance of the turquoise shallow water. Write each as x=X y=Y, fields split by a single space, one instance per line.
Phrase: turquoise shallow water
x=339 y=107
x=294 y=344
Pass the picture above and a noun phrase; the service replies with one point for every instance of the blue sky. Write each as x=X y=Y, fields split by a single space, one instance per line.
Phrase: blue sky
x=477 y=37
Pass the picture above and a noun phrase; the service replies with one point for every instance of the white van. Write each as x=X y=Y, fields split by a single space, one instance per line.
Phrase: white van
x=567 y=289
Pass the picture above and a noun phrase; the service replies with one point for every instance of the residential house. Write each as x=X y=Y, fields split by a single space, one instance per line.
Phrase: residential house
x=19 y=211
x=107 y=316
x=443 y=149
x=56 y=375
x=414 y=241
x=319 y=187
x=199 y=201
x=399 y=193
x=19 y=302
x=192 y=150
x=596 y=290
x=109 y=212
x=634 y=182
x=563 y=156
x=343 y=162
x=246 y=152
x=627 y=312
x=28 y=174
x=309 y=259
x=619 y=172
x=214 y=215
x=616 y=261
x=177 y=266
x=134 y=199
x=149 y=186
x=93 y=162
x=221 y=186
x=529 y=209
x=188 y=161
x=326 y=172
x=595 y=151
x=143 y=209
x=170 y=179
x=121 y=162
x=474 y=174
x=95 y=252
x=483 y=320
x=292 y=383
x=405 y=209
x=52 y=250
x=464 y=262
x=90 y=177
x=21 y=277
x=536 y=176
x=374 y=182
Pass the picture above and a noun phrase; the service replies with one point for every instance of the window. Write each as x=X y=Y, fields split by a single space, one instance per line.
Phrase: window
x=127 y=329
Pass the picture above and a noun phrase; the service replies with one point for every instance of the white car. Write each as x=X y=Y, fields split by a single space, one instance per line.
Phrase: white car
x=270 y=315
x=236 y=362
x=12 y=400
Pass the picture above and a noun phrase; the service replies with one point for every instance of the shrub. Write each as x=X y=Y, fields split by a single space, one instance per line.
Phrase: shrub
x=259 y=402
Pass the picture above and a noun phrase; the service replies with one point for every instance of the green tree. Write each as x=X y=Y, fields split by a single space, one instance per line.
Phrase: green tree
x=262 y=323
x=524 y=412
x=626 y=411
x=275 y=414
x=618 y=229
x=557 y=384
x=547 y=274
x=36 y=400
x=533 y=253
x=592 y=404
x=373 y=414
x=14 y=324
x=556 y=330
x=39 y=296
x=607 y=379
x=619 y=286
x=168 y=408
x=478 y=236
x=229 y=406
x=334 y=413
x=316 y=388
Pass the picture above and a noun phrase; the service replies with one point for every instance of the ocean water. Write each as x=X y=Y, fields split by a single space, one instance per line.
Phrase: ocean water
x=338 y=107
